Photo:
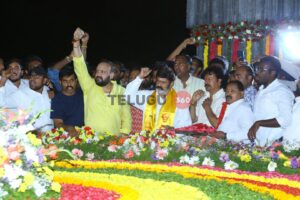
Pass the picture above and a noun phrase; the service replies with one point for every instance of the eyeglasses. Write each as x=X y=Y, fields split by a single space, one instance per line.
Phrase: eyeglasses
x=260 y=69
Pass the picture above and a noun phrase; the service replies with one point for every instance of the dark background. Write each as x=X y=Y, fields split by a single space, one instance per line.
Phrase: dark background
x=129 y=31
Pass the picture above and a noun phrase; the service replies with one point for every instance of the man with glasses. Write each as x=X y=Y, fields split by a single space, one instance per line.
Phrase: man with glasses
x=273 y=103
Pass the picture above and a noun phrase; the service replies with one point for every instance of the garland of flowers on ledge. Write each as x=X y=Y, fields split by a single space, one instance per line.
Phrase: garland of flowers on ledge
x=276 y=185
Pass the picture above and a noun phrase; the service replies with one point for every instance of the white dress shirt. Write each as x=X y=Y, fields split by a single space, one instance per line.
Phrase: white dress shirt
x=237 y=120
x=274 y=101
x=192 y=84
x=217 y=100
x=35 y=102
x=9 y=88
x=138 y=98
x=292 y=132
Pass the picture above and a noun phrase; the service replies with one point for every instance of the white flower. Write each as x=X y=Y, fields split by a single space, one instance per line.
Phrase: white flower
x=14 y=184
x=242 y=23
x=152 y=145
x=193 y=160
x=39 y=188
x=184 y=159
x=272 y=166
x=248 y=31
x=90 y=156
x=208 y=162
x=112 y=148
x=161 y=154
x=230 y=165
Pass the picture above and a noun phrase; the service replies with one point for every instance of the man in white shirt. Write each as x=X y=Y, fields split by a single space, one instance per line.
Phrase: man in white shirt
x=292 y=132
x=238 y=116
x=205 y=107
x=159 y=106
x=11 y=80
x=273 y=104
x=184 y=81
x=34 y=98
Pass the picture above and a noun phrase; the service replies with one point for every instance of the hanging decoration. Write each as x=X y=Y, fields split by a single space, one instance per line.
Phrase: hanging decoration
x=248 y=51
x=267 y=51
x=235 y=48
x=219 y=48
x=272 y=44
x=212 y=50
x=205 y=55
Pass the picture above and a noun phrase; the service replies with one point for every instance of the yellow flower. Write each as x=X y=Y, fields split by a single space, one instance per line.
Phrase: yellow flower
x=165 y=144
x=28 y=179
x=265 y=159
x=1 y=172
x=101 y=137
x=283 y=157
x=22 y=187
x=287 y=163
x=19 y=162
x=3 y=156
x=55 y=186
x=245 y=158
x=34 y=140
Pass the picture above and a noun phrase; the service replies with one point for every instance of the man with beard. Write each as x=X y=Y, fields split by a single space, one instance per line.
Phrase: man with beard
x=245 y=75
x=67 y=105
x=159 y=106
x=273 y=103
x=100 y=112
x=238 y=117
x=35 y=99
x=11 y=80
x=184 y=80
x=205 y=107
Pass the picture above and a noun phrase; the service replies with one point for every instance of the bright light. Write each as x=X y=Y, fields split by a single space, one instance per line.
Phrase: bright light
x=290 y=42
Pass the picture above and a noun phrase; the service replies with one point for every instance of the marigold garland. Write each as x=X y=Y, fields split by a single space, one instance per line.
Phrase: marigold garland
x=267 y=51
x=249 y=51
x=205 y=55
x=219 y=48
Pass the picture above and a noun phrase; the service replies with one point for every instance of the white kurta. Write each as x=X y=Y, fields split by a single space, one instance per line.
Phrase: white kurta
x=27 y=98
x=192 y=84
x=138 y=98
x=292 y=132
x=216 y=106
x=274 y=101
x=9 y=88
x=237 y=120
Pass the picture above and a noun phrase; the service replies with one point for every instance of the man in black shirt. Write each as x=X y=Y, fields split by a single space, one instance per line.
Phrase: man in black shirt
x=67 y=105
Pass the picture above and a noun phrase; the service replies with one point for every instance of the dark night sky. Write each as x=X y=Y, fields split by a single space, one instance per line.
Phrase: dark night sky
x=142 y=31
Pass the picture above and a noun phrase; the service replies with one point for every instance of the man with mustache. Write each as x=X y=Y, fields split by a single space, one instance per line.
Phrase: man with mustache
x=11 y=80
x=67 y=105
x=159 y=106
x=100 y=111
x=206 y=106
x=35 y=99
x=273 y=103
x=245 y=75
x=238 y=116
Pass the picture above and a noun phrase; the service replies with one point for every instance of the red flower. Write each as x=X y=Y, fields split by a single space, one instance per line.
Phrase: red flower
x=257 y=22
x=197 y=33
x=229 y=23
x=53 y=130
x=87 y=128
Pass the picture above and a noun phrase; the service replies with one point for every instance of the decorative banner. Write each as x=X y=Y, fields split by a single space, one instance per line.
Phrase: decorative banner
x=219 y=48
x=205 y=54
x=248 y=51
x=267 y=50
x=235 y=49
x=212 y=50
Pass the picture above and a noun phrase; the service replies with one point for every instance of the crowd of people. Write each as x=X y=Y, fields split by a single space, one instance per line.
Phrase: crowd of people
x=248 y=103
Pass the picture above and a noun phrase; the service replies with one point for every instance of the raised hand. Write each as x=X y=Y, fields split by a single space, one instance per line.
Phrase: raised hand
x=188 y=41
x=85 y=38
x=144 y=72
x=78 y=34
x=207 y=103
x=196 y=96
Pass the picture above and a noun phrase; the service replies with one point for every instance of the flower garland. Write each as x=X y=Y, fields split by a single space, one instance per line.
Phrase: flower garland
x=219 y=48
x=205 y=55
x=280 y=187
x=248 y=51
x=131 y=187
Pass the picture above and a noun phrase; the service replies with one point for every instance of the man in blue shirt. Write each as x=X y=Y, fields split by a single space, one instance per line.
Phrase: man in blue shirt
x=67 y=105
